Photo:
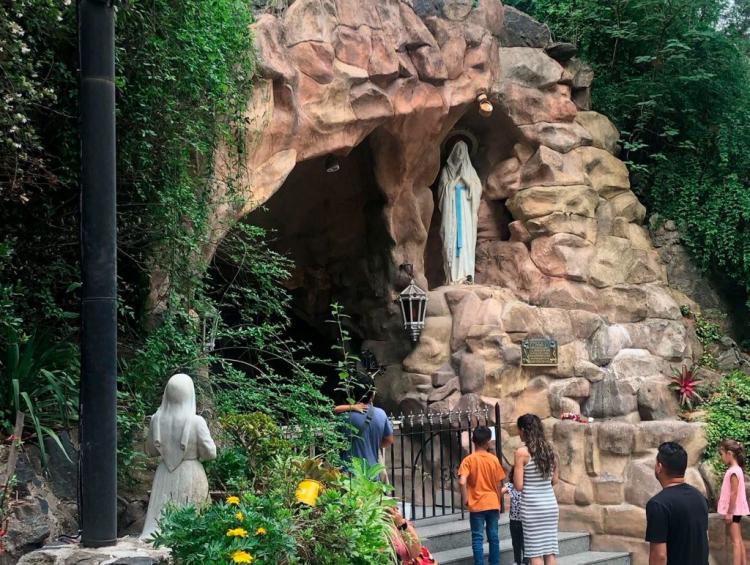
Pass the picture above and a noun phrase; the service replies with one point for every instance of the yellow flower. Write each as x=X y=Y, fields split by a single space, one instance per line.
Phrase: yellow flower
x=233 y=500
x=237 y=533
x=240 y=516
x=261 y=532
x=242 y=557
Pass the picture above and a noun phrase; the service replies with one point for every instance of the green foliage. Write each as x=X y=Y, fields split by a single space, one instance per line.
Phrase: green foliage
x=215 y=533
x=728 y=414
x=673 y=75
x=707 y=332
x=29 y=31
x=349 y=524
x=37 y=379
x=346 y=365
x=185 y=72
x=229 y=471
x=257 y=437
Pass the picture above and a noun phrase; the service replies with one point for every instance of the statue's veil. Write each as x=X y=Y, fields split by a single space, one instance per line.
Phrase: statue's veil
x=172 y=424
x=458 y=169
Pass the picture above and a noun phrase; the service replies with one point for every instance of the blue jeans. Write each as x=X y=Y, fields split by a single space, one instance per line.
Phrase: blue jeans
x=477 y=520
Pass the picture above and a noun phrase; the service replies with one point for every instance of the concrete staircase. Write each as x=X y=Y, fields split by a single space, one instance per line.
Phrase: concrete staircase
x=449 y=540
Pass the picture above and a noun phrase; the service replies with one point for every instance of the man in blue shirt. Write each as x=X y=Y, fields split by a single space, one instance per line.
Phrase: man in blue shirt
x=373 y=429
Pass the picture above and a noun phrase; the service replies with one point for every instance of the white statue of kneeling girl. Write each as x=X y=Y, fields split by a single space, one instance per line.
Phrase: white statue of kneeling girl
x=182 y=440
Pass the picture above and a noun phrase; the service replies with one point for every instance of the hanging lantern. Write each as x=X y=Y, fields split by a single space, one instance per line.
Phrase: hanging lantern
x=485 y=106
x=413 y=302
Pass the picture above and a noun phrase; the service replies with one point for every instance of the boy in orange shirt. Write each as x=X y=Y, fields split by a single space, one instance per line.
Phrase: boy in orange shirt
x=480 y=477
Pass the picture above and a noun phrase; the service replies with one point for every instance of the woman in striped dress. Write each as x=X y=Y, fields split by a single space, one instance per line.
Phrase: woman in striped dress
x=536 y=471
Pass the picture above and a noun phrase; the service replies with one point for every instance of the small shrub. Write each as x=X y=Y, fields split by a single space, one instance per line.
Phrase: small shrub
x=256 y=437
x=350 y=523
x=708 y=332
x=247 y=529
x=37 y=379
x=229 y=471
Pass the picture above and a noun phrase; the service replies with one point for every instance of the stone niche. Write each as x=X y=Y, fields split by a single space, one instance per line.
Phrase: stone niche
x=562 y=250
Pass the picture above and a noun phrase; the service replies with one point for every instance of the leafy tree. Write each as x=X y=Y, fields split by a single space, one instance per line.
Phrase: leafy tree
x=185 y=71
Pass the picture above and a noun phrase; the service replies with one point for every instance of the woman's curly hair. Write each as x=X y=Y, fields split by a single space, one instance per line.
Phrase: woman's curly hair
x=532 y=433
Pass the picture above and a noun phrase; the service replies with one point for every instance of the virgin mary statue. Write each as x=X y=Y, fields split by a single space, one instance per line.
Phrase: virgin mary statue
x=460 y=191
x=182 y=440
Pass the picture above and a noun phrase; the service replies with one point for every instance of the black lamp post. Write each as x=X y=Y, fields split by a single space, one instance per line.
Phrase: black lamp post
x=98 y=402
x=413 y=302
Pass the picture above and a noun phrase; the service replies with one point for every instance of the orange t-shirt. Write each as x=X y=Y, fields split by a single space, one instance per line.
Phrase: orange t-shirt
x=483 y=472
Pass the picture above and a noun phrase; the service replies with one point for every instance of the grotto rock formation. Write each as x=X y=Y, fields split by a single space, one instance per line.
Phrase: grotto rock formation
x=561 y=248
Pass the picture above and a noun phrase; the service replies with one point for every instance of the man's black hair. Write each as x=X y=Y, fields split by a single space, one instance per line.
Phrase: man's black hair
x=673 y=458
x=481 y=435
x=364 y=388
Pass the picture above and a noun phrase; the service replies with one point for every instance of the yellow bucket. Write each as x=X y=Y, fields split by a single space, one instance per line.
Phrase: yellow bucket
x=308 y=491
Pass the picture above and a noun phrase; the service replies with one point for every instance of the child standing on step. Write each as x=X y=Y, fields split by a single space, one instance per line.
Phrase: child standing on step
x=480 y=477
x=733 y=500
x=516 y=526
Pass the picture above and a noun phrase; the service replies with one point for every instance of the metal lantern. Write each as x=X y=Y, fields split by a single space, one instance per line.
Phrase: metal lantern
x=413 y=302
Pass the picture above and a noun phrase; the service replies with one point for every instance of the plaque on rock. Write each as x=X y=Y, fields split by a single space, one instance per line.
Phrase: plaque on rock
x=457 y=10
x=539 y=352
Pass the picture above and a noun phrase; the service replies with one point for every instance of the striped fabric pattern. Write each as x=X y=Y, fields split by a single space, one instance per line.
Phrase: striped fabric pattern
x=539 y=514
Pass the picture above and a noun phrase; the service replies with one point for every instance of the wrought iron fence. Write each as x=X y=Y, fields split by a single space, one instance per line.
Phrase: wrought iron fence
x=423 y=461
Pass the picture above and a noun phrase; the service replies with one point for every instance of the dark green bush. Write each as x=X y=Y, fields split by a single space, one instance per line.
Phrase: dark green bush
x=728 y=414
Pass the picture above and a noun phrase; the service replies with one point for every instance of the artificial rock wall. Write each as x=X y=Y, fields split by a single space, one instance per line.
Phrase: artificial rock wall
x=562 y=251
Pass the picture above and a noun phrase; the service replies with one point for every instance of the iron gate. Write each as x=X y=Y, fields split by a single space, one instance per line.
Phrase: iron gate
x=423 y=461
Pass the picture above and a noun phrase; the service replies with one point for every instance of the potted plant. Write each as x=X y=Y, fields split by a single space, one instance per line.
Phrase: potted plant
x=316 y=475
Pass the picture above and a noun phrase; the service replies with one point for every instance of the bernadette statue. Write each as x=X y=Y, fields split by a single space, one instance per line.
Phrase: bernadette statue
x=182 y=440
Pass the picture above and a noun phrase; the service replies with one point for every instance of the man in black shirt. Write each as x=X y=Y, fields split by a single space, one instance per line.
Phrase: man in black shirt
x=677 y=517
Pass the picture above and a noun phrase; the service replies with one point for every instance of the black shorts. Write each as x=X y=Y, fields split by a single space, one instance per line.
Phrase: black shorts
x=736 y=519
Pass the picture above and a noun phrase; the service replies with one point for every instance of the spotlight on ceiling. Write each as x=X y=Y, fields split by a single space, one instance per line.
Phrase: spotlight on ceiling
x=332 y=164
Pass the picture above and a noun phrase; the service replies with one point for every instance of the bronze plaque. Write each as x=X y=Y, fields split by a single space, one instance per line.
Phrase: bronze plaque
x=539 y=352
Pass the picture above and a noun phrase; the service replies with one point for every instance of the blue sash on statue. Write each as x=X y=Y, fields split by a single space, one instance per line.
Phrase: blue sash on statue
x=459 y=220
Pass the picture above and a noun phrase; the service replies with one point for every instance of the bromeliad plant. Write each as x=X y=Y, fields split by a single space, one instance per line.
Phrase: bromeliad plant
x=686 y=384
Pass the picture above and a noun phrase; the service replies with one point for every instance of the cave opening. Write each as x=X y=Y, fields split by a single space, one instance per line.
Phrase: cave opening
x=331 y=226
x=490 y=141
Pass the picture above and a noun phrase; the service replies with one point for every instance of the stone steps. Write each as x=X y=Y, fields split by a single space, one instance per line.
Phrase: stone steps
x=449 y=540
